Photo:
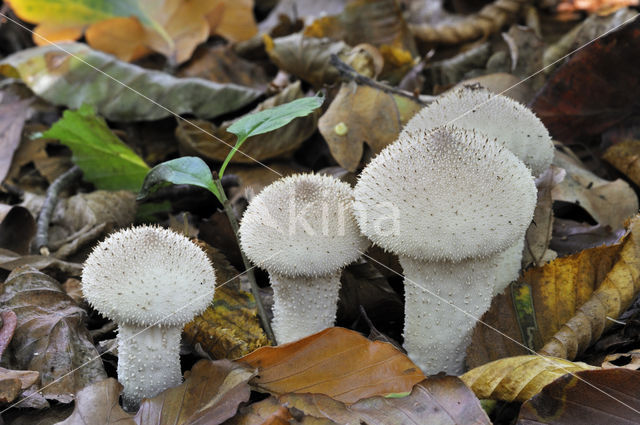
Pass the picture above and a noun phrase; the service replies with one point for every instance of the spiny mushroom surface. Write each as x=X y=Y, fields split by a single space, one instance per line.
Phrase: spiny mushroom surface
x=151 y=282
x=498 y=117
x=301 y=229
x=447 y=201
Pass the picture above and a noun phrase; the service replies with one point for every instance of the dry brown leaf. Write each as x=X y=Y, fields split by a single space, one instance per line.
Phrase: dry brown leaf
x=278 y=143
x=378 y=22
x=630 y=360
x=309 y=58
x=587 y=397
x=13 y=114
x=488 y=20
x=233 y=20
x=51 y=335
x=13 y=382
x=336 y=362
x=441 y=400
x=8 y=322
x=266 y=412
x=570 y=237
x=572 y=300
x=210 y=394
x=10 y=260
x=518 y=378
x=596 y=195
x=624 y=156
x=605 y=7
x=361 y=114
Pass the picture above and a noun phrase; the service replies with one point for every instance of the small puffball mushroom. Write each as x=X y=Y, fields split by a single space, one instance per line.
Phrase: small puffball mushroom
x=301 y=229
x=498 y=117
x=504 y=120
x=447 y=201
x=151 y=282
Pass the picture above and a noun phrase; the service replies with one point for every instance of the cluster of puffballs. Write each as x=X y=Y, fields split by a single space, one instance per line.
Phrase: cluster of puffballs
x=452 y=197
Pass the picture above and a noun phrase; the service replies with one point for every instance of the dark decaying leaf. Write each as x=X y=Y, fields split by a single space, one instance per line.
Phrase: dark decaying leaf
x=17 y=229
x=67 y=80
x=439 y=400
x=51 y=336
x=210 y=395
x=588 y=397
x=13 y=113
x=570 y=237
x=596 y=89
x=336 y=362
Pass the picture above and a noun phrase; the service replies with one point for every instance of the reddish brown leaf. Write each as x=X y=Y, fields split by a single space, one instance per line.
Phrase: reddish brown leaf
x=9 y=321
x=590 y=397
x=596 y=89
x=336 y=362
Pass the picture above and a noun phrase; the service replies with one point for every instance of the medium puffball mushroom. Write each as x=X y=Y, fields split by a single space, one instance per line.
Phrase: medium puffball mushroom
x=151 y=282
x=497 y=117
x=447 y=201
x=504 y=120
x=301 y=229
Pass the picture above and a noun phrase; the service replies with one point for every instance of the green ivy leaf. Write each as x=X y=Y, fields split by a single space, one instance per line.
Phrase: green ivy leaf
x=269 y=120
x=186 y=170
x=105 y=160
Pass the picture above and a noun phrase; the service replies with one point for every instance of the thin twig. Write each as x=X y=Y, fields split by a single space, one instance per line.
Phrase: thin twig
x=41 y=241
x=247 y=265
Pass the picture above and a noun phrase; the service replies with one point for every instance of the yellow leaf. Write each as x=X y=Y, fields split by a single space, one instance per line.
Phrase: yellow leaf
x=625 y=157
x=518 y=378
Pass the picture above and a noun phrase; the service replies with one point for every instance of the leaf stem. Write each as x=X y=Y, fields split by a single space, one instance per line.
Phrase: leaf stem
x=232 y=152
x=247 y=265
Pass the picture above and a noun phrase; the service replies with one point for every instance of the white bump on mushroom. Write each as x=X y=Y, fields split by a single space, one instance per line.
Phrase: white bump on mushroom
x=499 y=118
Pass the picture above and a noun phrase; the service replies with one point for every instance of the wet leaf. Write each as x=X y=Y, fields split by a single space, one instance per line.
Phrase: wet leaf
x=594 y=194
x=336 y=362
x=573 y=298
x=592 y=396
x=67 y=80
x=437 y=400
x=277 y=143
x=624 y=156
x=105 y=160
x=573 y=106
x=518 y=378
x=186 y=170
x=51 y=337
x=210 y=394
x=361 y=114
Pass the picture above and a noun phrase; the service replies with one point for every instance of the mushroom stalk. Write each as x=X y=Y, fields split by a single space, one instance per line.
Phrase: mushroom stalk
x=509 y=265
x=148 y=361
x=303 y=305
x=463 y=292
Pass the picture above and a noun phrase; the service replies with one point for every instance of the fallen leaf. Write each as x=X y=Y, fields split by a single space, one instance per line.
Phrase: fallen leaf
x=13 y=382
x=233 y=20
x=51 y=336
x=565 y=304
x=8 y=326
x=592 y=6
x=105 y=160
x=570 y=237
x=210 y=394
x=13 y=114
x=594 y=194
x=306 y=9
x=441 y=400
x=266 y=412
x=10 y=261
x=624 y=156
x=17 y=229
x=630 y=360
x=310 y=58
x=336 y=362
x=278 y=143
x=574 y=105
x=587 y=397
x=518 y=378
x=361 y=114
x=67 y=80
x=229 y=328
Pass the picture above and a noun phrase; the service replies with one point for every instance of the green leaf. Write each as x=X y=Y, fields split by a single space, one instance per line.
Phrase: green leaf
x=186 y=170
x=269 y=120
x=119 y=91
x=104 y=159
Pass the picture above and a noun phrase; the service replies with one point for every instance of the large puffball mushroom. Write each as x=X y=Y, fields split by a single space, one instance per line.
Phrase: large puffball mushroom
x=447 y=201
x=302 y=230
x=499 y=118
x=151 y=282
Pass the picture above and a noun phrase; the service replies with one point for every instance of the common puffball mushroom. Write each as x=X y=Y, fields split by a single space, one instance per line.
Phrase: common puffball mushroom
x=301 y=229
x=508 y=123
x=447 y=201
x=151 y=282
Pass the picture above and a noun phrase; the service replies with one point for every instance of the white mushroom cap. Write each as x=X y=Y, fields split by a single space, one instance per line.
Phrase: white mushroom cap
x=148 y=275
x=498 y=117
x=302 y=225
x=445 y=194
